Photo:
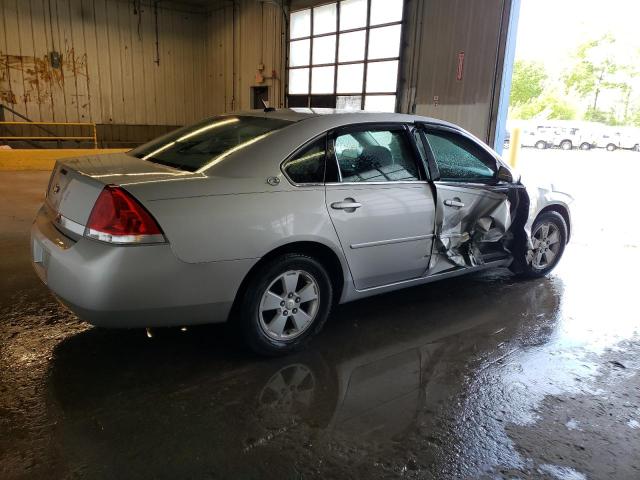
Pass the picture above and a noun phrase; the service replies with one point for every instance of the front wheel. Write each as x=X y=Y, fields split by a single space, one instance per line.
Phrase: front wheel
x=540 y=145
x=549 y=237
x=285 y=304
x=611 y=147
x=585 y=146
x=566 y=145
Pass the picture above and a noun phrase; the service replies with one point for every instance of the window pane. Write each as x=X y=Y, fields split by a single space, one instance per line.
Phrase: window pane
x=458 y=159
x=350 y=78
x=299 y=53
x=324 y=19
x=380 y=103
x=382 y=76
x=384 y=42
x=297 y=101
x=323 y=101
x=301 y=24
x=308 y=165
x=353 y=14
x=299 y=81
x=322 y=79
x=351 y=46
x=385 y=11
x=324 y=50
x=375 y=156
x=353 y=102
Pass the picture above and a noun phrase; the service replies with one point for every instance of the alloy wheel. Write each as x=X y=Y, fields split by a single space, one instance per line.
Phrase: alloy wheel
x=289 y=305
x=546 y=245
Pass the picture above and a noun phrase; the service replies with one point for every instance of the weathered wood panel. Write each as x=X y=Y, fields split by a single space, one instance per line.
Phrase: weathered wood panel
x=240 y=38
x=108 y=71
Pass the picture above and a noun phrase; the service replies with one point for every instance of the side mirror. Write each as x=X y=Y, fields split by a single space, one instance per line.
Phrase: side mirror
x=504 y=174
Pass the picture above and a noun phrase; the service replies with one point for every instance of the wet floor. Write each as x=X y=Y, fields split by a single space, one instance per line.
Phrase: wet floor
x=485 y=376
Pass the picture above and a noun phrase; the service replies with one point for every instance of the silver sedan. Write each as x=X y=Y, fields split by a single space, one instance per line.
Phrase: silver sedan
x=268 y=218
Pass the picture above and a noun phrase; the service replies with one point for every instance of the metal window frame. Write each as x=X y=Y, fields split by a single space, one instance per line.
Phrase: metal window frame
x=363 y=94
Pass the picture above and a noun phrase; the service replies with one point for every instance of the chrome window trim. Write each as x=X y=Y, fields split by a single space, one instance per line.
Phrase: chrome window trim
x=391 y=182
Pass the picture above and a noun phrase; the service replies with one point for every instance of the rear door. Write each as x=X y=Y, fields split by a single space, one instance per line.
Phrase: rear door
x=381 y=203
x=473 y=211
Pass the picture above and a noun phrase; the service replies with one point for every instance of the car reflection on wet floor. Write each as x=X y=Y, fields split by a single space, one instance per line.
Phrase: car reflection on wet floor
x=192 y=398
x=484 y=375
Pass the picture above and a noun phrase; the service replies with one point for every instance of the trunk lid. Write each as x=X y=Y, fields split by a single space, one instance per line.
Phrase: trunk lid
x=75 y=184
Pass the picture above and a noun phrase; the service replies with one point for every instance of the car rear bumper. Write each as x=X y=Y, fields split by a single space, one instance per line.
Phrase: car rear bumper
x=133 y=286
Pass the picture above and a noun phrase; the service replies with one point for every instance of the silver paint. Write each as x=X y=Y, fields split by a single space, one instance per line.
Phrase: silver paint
x=220 y=221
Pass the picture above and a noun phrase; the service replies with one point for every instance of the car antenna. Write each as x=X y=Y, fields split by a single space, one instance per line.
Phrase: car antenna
x=267 y=108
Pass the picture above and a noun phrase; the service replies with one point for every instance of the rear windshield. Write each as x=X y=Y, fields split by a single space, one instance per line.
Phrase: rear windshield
x=202 y=145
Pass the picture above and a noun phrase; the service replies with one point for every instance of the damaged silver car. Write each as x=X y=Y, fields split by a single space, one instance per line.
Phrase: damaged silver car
x=268 y=218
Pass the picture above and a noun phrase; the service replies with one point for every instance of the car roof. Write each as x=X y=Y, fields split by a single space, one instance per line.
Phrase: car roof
x=340 y=117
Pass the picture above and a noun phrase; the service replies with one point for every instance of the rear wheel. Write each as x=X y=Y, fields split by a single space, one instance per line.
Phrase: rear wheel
x=549 y=237
x=611 y=147
x=585 y=146
x=540 y=145
x=285 y=304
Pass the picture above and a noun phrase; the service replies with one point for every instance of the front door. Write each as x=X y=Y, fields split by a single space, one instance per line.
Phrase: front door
x=473 y=211
x=381 y=205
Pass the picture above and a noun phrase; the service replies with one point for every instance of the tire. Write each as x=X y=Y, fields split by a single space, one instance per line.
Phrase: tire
x=533 y=266
x=540 y=145
x=284 y=283
x=566 y=145
x=585 y=146
x=611 y=147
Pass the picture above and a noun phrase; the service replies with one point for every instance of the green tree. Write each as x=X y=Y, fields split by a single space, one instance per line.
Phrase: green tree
x=560 y=109
x=594 y=70
x=548 y=107
x=608 y=118
x=527 y=83
x=635 y=117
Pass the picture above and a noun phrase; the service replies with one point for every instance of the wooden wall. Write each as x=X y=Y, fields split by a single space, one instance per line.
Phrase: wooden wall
x=109 y=72
x=241 y=36
x=210 y=53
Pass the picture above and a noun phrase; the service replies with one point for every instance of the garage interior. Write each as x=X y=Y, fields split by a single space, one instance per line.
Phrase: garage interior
x=486 y=376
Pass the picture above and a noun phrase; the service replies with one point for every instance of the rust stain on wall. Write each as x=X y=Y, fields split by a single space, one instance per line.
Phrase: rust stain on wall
x=33 y=79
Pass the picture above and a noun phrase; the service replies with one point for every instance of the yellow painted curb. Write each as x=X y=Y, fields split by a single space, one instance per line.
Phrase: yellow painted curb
x=36 y=159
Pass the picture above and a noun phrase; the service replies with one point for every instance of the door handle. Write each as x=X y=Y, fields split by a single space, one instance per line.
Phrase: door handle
x=348 y=204
x=454 y=203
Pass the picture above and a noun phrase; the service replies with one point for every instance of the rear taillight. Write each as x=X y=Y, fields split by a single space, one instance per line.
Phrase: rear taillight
x=117 y=217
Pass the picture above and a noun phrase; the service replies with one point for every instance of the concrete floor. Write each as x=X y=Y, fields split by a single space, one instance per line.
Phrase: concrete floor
x=478 y=377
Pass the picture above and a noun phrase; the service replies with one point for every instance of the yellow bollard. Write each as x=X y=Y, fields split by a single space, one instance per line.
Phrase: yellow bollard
x=514 y=147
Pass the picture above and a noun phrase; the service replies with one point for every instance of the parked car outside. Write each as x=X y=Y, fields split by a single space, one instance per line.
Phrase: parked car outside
x=268 y=218
x=614 y=138
x=538 y=136
x=570 y=137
